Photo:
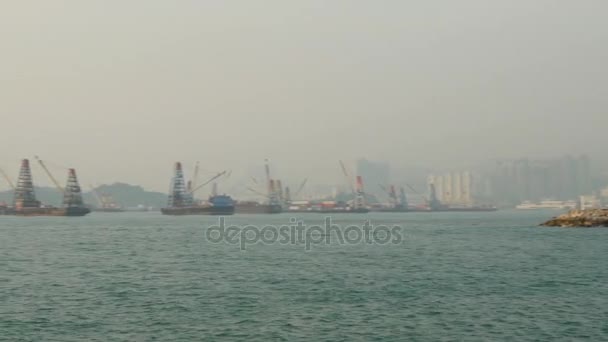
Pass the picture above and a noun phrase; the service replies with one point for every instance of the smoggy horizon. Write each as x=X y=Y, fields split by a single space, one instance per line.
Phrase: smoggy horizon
x=121 y=91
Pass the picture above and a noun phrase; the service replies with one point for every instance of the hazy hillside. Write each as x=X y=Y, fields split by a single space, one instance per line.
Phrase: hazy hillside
x=43 y=194
x=129 y=195
x=124 y=194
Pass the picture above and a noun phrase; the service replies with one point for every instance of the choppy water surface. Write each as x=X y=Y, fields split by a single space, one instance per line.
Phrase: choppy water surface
x=455 y=276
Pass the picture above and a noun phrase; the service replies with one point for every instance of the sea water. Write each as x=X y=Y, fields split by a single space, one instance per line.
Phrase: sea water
x=451 y=276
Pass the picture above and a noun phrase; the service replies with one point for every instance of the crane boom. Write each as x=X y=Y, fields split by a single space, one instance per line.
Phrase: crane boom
x=300 y=188
x=96 y=194
x=8 y=179
x=48 y=173
x=207 y=182
x=256 y=192
x=350 y=184
x=417 y=193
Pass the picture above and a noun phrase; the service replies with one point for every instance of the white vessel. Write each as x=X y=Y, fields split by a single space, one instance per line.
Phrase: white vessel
x=547 y=204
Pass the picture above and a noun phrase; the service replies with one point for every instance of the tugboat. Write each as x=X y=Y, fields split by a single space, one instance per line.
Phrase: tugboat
x=181 y=199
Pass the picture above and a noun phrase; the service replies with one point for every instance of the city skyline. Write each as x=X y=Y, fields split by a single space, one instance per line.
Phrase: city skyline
x=507 y=182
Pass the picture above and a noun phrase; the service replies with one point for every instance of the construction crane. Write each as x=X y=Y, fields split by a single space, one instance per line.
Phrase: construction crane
x=48 y=173
x=207 y=182
x=8 y=179
x=434 y=203
x=257 y=192
x=279 y=189
x=417 y=193
x=96 y=195
x=300 y=188
x=273 y=190
x=392 y=194
x=268 y=180
x=347 y=177
x=193 y=183
x=193 y=186
x=403 y=198
x=103 y=199
x=431 y=201
x=359 y=200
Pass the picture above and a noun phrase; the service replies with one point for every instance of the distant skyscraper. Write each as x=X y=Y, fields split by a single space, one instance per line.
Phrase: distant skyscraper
x=448 y=188
x=563 y=178
x=466 y=193
x=583 y=175
x=454 y=188
x=439 y=188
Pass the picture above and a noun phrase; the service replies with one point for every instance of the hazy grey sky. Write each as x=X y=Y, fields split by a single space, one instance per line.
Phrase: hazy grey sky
x=122 y=89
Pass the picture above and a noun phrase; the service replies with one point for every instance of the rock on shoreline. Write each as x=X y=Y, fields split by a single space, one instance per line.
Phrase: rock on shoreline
x=580 y=218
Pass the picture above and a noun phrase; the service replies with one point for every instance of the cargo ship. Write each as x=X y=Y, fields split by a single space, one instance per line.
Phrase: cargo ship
x=253 y=207
x=325 y=207
x=216 y=205
x=334 y=210
x=26 y=204
x=356 y=205
x=182 y=202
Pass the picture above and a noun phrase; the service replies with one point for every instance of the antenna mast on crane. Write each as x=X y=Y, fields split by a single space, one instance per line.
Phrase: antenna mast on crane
x=194 y=181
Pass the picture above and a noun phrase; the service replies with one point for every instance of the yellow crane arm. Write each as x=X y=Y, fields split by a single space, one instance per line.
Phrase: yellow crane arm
x=48 y=173
x=8 y=179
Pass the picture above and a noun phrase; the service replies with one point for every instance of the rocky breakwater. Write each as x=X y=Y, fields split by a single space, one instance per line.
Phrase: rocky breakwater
x=580 y=218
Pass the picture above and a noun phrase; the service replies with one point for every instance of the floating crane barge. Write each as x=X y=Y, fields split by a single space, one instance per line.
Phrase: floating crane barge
x=181 y=199
x=26 y=204
x=273 y=203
